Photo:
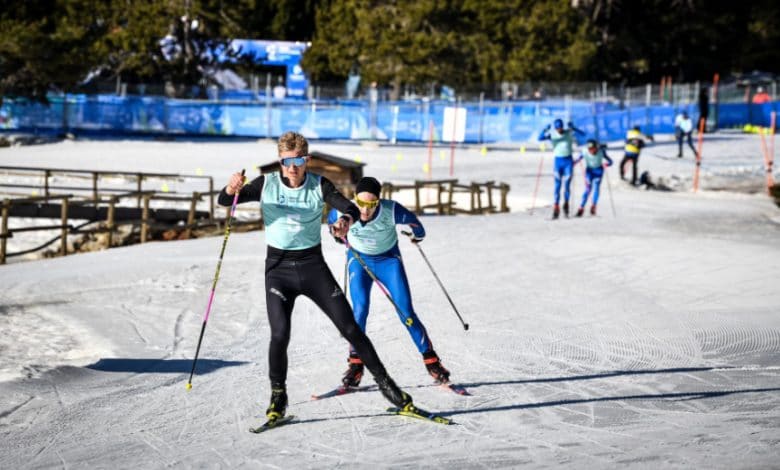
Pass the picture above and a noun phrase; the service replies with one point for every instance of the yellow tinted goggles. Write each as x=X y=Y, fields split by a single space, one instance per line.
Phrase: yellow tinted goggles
x=366 y=204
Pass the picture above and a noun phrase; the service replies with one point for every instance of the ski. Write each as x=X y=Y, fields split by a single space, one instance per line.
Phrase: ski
x=342 y=390
x=455 y=388
x=419 y=413
x=271 y=424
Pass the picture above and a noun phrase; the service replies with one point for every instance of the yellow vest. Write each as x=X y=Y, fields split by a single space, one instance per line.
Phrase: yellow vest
x=631 y=144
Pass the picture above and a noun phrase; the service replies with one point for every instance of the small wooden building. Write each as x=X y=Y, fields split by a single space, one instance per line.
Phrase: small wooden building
x=342 y=172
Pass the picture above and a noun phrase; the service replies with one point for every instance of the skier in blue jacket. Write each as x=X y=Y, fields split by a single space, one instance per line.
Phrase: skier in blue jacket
x=594 y=158
x=375 y=240
x=563 y=143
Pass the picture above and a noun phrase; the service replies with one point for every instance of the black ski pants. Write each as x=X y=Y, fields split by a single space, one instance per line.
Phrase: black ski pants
x=289 y=274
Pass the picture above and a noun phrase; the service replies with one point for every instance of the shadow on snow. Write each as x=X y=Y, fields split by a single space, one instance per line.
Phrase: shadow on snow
x=161 y=366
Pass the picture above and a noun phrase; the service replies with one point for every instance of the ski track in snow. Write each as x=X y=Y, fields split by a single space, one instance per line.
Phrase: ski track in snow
x=650 y=339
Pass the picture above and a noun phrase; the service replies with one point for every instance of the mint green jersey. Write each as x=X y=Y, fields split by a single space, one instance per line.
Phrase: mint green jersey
x=561 y=142
x=594 y=160
x=378 y=235
x=292 y=216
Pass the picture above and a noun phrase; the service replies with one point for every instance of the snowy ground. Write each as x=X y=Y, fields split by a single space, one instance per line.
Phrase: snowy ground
x=646 y=339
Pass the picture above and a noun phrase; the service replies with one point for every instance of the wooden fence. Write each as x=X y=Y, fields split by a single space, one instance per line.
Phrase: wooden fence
x=107 y=208
x=446 y=191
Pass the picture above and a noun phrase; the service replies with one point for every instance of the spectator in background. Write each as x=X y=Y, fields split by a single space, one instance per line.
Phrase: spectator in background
x=761 y=96
x=704 y=105
x=683 y=128
x=635 y=140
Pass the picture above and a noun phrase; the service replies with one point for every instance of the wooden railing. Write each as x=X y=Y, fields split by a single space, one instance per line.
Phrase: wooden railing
x=94 y=188
x=446 y=190
x=102 y=212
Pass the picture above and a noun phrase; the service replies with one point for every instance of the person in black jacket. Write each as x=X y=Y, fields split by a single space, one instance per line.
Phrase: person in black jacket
x=292 y=205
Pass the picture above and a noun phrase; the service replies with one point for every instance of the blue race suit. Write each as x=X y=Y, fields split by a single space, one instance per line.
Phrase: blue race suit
x=562 y=143
x=378 y=243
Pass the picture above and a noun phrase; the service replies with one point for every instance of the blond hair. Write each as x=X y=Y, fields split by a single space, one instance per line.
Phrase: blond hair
x=293 y=141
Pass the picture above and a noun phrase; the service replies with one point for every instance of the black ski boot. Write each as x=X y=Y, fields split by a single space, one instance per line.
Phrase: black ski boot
x=394 y=395
x=593 y=209
x=278 y=406
x=556 y=211
x=566 y=209
x=580 y=211
x=435 y=368
x=355 y=372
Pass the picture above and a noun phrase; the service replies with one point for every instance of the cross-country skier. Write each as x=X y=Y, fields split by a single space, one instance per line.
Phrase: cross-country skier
x=594 y=157
x=292 y=204
x=562 y=143
x=635 y=140
x=375 y=239
x=683 y=129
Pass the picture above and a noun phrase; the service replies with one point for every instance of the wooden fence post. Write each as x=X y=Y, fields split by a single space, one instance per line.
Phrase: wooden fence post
x=95 y=186
x=111 y=216
x=489 y=188
x=64 y=222
x=145 y=219
x=450 y=208
x=504 y=193
x=139 y=184
x=4 y=229
x=46 y=175
x=191 y=214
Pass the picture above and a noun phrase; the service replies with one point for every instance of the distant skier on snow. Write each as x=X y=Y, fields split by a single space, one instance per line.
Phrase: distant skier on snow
x=563 y=143
x=375 y=240
x=594 y=157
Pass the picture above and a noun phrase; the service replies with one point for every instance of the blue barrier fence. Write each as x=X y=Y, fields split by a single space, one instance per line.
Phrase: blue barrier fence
x=490 y=122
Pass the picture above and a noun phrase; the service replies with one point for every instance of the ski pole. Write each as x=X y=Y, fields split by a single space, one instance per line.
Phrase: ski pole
x=609 y=187
x=465 y=325
x=371 y=274
x=214 y=284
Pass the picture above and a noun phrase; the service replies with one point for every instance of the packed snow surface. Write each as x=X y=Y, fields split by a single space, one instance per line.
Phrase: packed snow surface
x=646 y=336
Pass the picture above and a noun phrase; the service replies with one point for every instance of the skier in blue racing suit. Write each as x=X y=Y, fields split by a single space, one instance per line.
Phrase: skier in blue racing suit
x=375 y=241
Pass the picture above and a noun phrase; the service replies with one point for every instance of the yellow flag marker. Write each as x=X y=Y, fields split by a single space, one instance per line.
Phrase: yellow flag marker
x=393 y=167
x=399 y=156
x=34 y=193
x=442 y=155
x=358 y=159
x=165 y=187
x=542 y=147
x=199 y=171
x=426 y=168
x=483 y=151
x=189 y=386
x=522 y=149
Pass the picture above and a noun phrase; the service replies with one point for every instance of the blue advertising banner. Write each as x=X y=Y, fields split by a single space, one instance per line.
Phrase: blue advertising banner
x=515 y=121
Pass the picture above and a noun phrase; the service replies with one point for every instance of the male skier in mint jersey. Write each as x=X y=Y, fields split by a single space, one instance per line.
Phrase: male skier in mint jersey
x=594 y=157
x=292 y=204
x=375 y=239
x=562 y=142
